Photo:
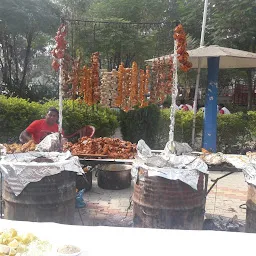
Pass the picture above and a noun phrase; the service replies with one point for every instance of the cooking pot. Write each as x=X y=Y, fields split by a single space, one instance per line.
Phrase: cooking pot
x=114 y=176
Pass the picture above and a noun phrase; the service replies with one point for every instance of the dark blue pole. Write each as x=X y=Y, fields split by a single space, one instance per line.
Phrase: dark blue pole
x=210 y=118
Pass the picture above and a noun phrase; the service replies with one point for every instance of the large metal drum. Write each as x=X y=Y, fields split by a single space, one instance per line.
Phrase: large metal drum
x=51 y=199
x=250 y=226
x=168 y=204
x=114 y=176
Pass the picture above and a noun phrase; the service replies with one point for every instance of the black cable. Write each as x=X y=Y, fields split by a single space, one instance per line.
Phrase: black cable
x=119 y=22
x=128 y=208
x=80 y=216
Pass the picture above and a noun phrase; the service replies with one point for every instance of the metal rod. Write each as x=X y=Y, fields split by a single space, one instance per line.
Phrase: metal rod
x=174 y=93
x=116 y=22
x=195 y=103
x=1 y=196
x=60 y=97
x=198 y=73
x=204 y=23
x=215 y=181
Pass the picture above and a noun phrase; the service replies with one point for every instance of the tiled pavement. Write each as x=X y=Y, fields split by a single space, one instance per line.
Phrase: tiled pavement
x=110 y=207
x=227 y=196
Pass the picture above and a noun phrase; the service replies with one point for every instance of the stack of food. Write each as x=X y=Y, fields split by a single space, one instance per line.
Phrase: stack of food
x=20 y=148
x=108 y=147
x=108 y=88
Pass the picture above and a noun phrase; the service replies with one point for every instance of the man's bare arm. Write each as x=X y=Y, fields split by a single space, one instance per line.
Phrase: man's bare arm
x=25 y=137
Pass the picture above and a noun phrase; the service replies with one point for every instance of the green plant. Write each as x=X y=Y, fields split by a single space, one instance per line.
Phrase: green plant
x=16 y=114
x=233 y=134
x=183 y=127
x=140 y=124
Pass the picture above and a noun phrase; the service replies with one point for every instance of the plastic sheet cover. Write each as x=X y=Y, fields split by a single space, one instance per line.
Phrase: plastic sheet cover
x=246 y=163
x=181 y=167
x=22 y=168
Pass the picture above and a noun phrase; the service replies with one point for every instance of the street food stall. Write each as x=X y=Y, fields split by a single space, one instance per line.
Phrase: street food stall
x=170 y=187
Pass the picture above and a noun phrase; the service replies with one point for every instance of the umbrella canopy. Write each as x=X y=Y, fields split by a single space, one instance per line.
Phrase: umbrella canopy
x=229 y=58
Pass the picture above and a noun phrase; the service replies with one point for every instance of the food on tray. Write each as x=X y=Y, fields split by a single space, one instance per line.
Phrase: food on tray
x=205 y=151
x=20 y=148
x=68 y=250
x=111 y=147
x=16 y=245
x=251 y=155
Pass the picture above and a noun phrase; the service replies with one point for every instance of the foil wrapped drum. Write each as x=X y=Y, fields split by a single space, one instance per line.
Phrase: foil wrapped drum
x=169 y=204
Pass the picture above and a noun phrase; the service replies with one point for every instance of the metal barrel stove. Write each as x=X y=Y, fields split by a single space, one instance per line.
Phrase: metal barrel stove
x=250 y=226
x=51 y=199
x=169 y=204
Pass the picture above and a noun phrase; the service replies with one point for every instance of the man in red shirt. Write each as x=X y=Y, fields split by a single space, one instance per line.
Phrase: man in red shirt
x=39 y=129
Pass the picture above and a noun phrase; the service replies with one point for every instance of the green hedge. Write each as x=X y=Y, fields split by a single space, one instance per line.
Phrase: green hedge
x=140 y=124
x=16 y=114
x=235 y=132
x=183 y=127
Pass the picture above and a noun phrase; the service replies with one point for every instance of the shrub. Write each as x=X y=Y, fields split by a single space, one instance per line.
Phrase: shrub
x=235 y=132
x=232 y=132
x=140 y=124
x=16 y=114
x=77 y=115
x=183 y=127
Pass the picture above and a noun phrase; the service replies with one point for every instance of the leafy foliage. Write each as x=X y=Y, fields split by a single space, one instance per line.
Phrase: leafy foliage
x=183 y=127
x=233 y=133
x=240 y=139
x=16 y=114
x=24 y=33
x=140 y=124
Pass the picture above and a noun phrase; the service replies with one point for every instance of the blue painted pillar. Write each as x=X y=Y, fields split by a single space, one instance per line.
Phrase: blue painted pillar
x=210 y=117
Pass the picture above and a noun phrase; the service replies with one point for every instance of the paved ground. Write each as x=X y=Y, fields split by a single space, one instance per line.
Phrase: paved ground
x=110 y=207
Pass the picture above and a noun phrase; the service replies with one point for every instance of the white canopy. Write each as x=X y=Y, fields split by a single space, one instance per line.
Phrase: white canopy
x=229 y=58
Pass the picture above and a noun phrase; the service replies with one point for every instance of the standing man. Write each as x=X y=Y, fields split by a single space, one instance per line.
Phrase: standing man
x=223 y=110
x=185 y=107
x=39 y=129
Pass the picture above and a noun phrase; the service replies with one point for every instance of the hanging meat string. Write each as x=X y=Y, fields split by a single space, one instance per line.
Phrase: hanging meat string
x=126 y=106
x=75 y=79
x=160 y=81
x=134 y=84
x=59 y=53
x=108 y=92
x=129 y=86
x=95 y=78
x=132 y=87
x=121 y=72
x=180 y=37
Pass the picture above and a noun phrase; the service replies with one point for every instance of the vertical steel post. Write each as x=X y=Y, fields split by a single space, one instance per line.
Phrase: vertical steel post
x=210 y=118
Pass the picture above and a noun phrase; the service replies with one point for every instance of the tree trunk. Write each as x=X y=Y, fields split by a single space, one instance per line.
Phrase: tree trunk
x=15 y=59
x=249 y=76
x=26 y=62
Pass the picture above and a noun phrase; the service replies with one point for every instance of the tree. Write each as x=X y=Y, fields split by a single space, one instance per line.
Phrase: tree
x=24 y=28
x=233 y=24
x=120 y=42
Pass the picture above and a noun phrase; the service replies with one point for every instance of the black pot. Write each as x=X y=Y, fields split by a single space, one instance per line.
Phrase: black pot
x=114 y=176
